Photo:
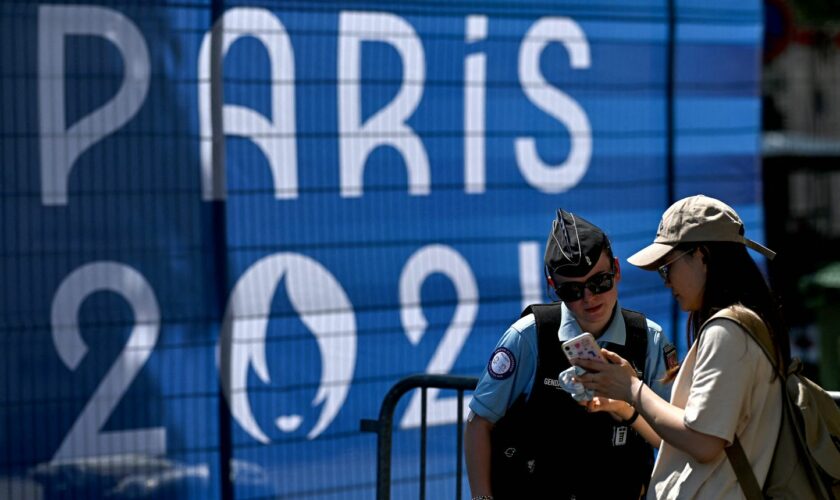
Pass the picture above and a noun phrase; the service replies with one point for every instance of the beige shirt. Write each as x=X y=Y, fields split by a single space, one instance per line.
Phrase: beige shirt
x=726 y=387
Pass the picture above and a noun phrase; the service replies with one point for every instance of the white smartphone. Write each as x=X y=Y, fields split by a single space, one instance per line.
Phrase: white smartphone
x=583 y=347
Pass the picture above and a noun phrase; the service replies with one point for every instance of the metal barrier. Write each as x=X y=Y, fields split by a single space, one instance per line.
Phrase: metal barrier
x=383 y=427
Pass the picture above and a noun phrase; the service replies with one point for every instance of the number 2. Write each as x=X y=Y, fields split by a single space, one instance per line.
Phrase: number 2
x=428 y=260
x=86 y=437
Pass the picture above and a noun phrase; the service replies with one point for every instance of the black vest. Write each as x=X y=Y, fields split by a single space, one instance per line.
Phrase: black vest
x=549 y=446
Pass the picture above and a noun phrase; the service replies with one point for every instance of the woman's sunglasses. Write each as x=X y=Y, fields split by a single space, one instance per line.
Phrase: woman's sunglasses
x=571 y=291
x=665 y=269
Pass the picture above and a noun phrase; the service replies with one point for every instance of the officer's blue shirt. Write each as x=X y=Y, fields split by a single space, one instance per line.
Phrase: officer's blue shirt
x=516 y=366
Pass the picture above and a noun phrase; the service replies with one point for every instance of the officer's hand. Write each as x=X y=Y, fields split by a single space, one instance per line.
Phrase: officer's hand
x=618 y=410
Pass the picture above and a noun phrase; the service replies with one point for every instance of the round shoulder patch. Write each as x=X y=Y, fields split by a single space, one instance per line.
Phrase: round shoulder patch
x=501 y=364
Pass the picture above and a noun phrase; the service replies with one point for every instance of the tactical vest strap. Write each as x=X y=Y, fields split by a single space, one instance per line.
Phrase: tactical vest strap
x=635 y=325
x=549 y=316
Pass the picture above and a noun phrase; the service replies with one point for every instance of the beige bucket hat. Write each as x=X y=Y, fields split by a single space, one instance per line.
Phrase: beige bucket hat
x=695 y=219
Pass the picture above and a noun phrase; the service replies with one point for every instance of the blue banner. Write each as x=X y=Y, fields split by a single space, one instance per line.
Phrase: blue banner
x=257 y=218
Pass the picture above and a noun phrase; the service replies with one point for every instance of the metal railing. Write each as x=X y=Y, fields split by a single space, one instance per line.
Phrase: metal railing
x=383 y=427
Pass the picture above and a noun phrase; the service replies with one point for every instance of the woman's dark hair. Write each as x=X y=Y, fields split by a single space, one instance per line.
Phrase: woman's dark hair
x=733 y=278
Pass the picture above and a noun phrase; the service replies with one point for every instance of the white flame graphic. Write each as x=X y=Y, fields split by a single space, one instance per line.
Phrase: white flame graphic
x=324 y=309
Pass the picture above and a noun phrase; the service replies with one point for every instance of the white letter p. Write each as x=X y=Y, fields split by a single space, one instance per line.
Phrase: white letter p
x=60 y=146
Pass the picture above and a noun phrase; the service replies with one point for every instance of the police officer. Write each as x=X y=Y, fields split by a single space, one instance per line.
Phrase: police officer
x=526 y=436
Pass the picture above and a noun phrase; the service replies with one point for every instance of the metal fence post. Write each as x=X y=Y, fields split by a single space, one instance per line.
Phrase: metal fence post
x=383 y=426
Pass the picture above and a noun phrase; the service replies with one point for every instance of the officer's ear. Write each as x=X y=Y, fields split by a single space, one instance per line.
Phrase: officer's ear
x=548 y=280
x=617 y=269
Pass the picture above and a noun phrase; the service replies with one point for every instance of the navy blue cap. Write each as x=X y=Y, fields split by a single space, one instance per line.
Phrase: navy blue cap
x=574 y=245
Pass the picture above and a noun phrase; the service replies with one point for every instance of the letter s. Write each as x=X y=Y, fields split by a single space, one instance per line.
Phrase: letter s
x=562 y=177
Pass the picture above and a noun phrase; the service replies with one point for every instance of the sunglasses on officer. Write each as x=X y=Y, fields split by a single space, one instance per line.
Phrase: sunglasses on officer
x=572 y=291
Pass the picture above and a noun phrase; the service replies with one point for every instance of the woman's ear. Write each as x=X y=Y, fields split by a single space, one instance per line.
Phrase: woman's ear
x=704 y=252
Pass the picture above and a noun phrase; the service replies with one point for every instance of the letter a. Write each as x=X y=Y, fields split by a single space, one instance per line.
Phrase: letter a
x=275 y=136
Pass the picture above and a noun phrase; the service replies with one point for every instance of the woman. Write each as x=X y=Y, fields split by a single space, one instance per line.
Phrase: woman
x=725 y=387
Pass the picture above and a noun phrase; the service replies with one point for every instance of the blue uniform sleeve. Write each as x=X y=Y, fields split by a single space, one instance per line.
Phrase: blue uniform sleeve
x=655 y=364
x=509 y=371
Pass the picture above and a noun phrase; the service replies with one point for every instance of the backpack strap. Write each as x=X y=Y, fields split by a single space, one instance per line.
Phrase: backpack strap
x=757 y=330
x=752 y=323
x=743 y=471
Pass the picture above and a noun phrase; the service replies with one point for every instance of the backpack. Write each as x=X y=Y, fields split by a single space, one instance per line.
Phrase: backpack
x=806 y=459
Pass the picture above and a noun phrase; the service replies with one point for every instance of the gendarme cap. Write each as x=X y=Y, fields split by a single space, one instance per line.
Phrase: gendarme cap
x=695 y=219
x=574 y=245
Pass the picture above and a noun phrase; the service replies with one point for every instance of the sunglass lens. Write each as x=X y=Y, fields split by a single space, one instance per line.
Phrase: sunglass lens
x=602 y=283
x=570 y=292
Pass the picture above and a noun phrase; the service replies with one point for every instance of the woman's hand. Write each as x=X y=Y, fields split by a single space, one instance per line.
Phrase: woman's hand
x=614 y=380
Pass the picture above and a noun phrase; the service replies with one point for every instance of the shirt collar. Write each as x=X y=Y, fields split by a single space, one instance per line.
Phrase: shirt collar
x=615 y=332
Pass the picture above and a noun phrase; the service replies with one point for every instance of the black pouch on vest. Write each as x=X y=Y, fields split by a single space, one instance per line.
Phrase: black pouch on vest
x=512 y=456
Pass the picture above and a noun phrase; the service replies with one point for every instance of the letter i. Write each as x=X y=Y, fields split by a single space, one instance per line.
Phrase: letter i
x=475 y=77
